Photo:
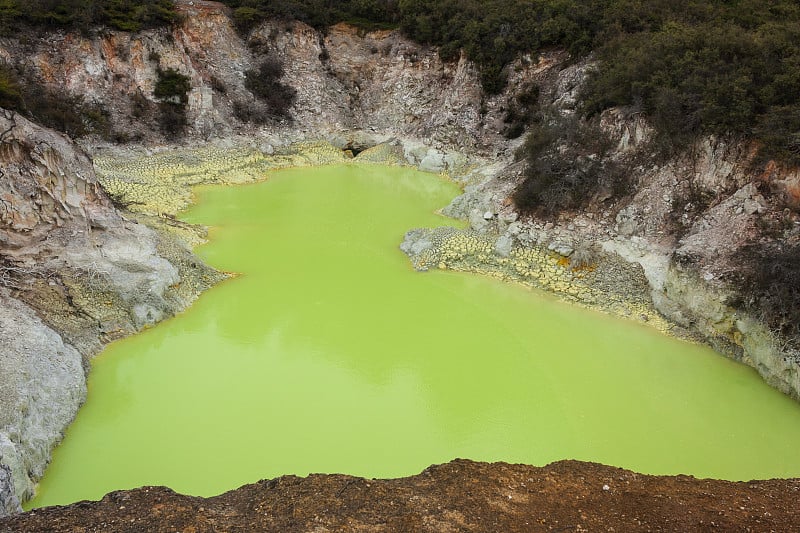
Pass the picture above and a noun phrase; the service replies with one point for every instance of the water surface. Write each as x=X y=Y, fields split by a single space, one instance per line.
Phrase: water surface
x=330 y=354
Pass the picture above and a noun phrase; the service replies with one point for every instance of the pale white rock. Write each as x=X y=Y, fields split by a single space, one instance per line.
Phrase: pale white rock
x=503 y=245
x=561 y=248
x=477 y=221
x=42 y=384
x=751 y=207
x=9 y=503
x=432 y=162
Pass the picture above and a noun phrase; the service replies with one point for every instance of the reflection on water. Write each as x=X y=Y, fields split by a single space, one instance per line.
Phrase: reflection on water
x=329 y=354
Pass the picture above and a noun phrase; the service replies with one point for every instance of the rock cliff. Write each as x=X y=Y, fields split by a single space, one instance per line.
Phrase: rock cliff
x=75 y=274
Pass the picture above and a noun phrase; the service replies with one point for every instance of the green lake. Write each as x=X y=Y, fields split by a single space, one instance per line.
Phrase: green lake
x=329 y=353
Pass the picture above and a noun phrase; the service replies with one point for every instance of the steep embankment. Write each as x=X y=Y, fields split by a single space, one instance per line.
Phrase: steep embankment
x=345 y=80
x=77 y=274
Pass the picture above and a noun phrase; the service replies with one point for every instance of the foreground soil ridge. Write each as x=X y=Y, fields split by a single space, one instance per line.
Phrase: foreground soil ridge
x=458 y=496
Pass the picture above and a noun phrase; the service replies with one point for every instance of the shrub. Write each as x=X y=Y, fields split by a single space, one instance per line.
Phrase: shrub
x=65 y=113
x=778 y=129
x=771 y=286
x=245 y=18
x=10 y=91
x=140 y=105
x=265 y=84
x=521 y=111
x=172 y=89
x=731 y=70
x=567 y=166
x=368 y=14
x=171 y=118
x=82 y=15
x=253 y=112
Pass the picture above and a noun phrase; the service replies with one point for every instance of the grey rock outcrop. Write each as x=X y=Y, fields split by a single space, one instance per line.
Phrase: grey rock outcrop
x=41 y=388
x=9 y=504
x=48 y=189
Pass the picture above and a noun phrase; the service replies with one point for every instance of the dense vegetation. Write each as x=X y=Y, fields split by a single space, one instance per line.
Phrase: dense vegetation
x=728 y=68
x=126 y=15
x=368 y=14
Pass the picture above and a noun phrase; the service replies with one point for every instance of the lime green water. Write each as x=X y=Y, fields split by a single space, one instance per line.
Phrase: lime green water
x=330 y=354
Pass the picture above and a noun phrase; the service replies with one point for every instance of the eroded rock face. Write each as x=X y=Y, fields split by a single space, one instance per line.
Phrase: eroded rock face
x=74 y=274
x=346 y=80
x=61 y=233
x=380 y=82
x=48 y=188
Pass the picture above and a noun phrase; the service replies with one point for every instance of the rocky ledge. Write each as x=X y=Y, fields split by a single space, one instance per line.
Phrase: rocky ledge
x=458 y=496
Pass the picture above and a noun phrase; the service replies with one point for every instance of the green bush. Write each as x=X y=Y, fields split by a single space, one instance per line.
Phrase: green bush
x=728 y=69
x=770 y=287
x=82 y=15
x=568 y=166
x=367 y=14
x=245 y=18
x=172 y=89
x=62 y=112
x=521 y=111
x=265 y=84
x=171 y=118
x=10 y=91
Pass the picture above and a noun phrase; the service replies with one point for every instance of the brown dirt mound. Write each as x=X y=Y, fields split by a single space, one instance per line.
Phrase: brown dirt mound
x=458 y=496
